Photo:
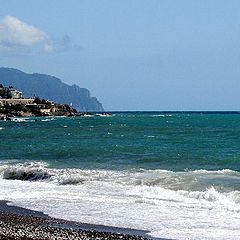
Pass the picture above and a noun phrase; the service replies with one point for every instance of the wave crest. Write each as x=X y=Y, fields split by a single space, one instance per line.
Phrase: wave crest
x=207 y=189
x=189 y=181
x=25 y=172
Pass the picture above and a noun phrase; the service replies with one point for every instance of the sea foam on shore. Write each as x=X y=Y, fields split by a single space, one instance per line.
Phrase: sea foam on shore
x=153 y=200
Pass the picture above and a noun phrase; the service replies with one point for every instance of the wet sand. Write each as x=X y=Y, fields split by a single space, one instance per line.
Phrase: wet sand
x=23 y=224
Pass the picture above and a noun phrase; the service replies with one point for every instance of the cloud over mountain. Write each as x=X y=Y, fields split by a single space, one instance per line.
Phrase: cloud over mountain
x=15 y=33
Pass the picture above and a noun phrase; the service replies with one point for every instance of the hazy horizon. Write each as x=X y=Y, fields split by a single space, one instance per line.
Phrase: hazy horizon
x=131 y=55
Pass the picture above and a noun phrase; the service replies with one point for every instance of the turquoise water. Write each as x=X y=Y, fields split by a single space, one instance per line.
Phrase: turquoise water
x=127 y=140
x=175 y=175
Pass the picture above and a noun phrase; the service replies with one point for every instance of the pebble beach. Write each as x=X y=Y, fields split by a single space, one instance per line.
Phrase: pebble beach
x=24 y=224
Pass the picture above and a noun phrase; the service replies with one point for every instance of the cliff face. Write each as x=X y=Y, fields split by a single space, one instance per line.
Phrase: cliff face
x=50 y=88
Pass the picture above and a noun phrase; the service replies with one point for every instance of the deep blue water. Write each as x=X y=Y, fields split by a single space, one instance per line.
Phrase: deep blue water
x=151 y=140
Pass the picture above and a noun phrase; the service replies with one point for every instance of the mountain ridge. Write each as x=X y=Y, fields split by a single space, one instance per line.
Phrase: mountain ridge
x=51 y=88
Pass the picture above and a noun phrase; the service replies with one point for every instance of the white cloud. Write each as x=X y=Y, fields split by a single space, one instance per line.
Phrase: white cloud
x=15 y=33
x=18 y=36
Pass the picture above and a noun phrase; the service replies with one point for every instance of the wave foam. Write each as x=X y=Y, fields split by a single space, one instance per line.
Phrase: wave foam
x=153 y=200
x=27 y=171
x=149 y=186
x=223 y=171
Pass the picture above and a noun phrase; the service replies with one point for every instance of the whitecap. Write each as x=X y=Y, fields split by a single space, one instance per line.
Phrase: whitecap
x=162 y=115
x=47 y=119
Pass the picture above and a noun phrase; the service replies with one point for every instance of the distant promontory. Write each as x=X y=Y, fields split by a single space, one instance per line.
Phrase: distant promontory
x=50 y=87
x=12 y=105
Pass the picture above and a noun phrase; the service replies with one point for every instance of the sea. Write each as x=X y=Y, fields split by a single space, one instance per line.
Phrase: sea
x=175 y=175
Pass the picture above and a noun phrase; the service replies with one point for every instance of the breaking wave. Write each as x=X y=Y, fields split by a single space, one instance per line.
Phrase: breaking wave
x=149 y=186
x=39 y=172
x=173 y=180
x=141 y=199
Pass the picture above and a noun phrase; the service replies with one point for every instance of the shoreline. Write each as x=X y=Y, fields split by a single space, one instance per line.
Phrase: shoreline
x=21 y=223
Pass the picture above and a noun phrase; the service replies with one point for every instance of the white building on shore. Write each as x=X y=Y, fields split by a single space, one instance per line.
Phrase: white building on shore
x=9 y=93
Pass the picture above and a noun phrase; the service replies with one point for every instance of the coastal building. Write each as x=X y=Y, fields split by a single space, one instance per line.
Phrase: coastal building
x=9 y=93
x=11 y=96
x=12 y=102
x=15 y=93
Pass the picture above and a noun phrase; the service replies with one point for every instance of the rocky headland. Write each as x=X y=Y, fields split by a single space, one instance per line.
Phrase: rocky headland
x=50 y=87
x=10 y=108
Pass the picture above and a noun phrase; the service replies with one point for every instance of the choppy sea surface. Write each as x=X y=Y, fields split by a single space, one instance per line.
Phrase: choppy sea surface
x=176 y=175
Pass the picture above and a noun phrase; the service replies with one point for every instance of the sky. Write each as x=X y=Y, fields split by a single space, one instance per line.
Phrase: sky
x=141 y=55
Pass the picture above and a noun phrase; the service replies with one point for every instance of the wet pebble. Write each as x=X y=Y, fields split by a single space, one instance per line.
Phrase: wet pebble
x=13 y=226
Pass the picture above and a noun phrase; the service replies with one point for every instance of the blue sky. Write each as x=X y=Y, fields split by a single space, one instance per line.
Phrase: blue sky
x=131 y=54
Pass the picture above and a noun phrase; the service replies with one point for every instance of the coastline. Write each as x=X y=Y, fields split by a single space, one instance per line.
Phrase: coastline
x=20 y=223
